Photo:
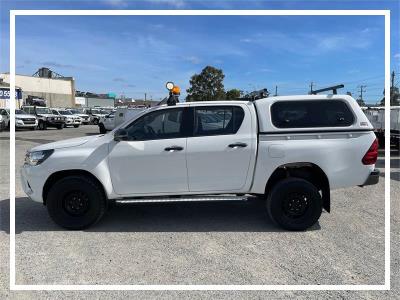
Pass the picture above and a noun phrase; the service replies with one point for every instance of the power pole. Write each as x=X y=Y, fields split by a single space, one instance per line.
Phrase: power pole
x=311 y=87
x=392 y=80
x=145 y=97
x=276 y=90
x=362 y=90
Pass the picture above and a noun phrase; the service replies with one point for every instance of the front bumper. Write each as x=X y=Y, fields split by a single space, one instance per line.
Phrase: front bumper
x=32 y=182
x=24 y=125
x=373 y=178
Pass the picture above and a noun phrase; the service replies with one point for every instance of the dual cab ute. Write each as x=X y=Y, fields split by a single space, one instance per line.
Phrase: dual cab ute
x=46 y=118
x=288 y=151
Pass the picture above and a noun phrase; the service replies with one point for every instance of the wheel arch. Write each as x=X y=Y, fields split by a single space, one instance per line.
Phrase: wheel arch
x=305 y=170
x=64 y=173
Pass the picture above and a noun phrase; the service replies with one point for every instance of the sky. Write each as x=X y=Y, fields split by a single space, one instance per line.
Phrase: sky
x=134 y=55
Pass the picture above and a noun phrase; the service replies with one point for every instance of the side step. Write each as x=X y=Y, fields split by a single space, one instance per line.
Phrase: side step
x=182 y=199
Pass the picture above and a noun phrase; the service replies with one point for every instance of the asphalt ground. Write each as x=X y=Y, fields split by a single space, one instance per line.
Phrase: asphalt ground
x=198 y=243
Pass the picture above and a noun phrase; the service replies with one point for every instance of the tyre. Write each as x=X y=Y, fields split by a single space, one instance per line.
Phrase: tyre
x=102 y=129
x=294 y=204
x=42 y=125
x=60 y=126
x=76 y=126
x=76 y=202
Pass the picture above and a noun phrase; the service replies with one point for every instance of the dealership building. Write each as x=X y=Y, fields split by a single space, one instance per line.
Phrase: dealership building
x=54 y=89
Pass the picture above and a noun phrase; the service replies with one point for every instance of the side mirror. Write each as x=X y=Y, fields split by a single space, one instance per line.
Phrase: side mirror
x=121 y=135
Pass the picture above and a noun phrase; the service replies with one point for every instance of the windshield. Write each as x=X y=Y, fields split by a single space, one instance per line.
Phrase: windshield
x=65 y=112
x=19 y=112
x=75 y=111
x=95 y=111
x=43 y=110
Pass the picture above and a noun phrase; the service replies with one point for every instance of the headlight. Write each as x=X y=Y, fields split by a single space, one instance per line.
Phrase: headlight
x=37 y=157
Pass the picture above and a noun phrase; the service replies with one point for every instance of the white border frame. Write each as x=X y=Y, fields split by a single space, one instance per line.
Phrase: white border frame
x=14 y=13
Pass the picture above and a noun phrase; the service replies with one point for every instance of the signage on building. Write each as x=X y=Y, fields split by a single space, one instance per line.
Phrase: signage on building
x=5 y=94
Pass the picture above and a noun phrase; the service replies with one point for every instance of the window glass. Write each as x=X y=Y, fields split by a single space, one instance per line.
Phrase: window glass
x=217 y=120
x=163 y=124
x=305 y=114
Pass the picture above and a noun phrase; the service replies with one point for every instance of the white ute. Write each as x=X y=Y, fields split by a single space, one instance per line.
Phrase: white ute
x=289 y=151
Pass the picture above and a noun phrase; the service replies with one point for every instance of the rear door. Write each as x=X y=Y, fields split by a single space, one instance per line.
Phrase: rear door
x=220 y=151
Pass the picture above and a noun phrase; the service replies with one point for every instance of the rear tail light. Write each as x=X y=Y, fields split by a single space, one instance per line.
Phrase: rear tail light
x=371 y=156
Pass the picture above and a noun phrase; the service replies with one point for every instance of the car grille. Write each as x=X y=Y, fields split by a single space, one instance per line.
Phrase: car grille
x=29 y=121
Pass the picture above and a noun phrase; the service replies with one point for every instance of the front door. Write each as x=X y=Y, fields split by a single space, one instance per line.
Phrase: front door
x=221 y=148
x=153 y=159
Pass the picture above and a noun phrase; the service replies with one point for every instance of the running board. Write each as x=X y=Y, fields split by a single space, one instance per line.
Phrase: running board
x=182 y=199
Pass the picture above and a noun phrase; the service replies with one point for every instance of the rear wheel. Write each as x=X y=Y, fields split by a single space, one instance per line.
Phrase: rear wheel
x=294 y=204
x=76 y=202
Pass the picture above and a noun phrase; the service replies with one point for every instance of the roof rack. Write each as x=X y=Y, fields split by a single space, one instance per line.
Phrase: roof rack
x=255 y=95
x=331 y=88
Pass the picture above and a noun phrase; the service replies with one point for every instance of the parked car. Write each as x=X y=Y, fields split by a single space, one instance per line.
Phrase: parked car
x=376 y=115
x=79 y=112
x=22 y=120
x=109 y=122
x=289 y=151
x=95 y=114
x=3 y=123
x=70 y=118
x=45 y=117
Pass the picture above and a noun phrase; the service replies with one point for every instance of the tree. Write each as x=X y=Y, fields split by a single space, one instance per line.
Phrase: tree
x=233 y=94
x=394 y=96
x=206 y=86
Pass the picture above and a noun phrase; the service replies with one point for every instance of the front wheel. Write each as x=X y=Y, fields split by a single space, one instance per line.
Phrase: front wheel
x=61 y=126
x=294 y=204
x=42 y=125
x=76 y=126
x=102 y=128
x=76 y=202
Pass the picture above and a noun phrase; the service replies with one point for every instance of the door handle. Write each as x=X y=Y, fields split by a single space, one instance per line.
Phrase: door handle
x=237 y=145
x=173 y=148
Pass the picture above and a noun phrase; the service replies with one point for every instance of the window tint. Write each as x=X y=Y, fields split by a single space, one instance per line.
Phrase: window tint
x=304 y=114
x=163 y=124
x=217 y=120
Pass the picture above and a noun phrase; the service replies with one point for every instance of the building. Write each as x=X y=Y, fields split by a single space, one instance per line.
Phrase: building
x=55 y=89
x=87 y=99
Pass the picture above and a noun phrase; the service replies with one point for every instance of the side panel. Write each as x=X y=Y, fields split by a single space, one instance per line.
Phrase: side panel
x=337 y=154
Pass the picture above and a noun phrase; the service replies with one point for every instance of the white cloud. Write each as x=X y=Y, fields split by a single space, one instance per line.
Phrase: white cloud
x=174 y=3
x=247 y=40
x=192 y=59
x=116 y=3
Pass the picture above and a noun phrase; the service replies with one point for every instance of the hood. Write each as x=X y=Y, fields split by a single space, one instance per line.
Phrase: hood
x=49 y=115
x=25 y=116
x=66 y=143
